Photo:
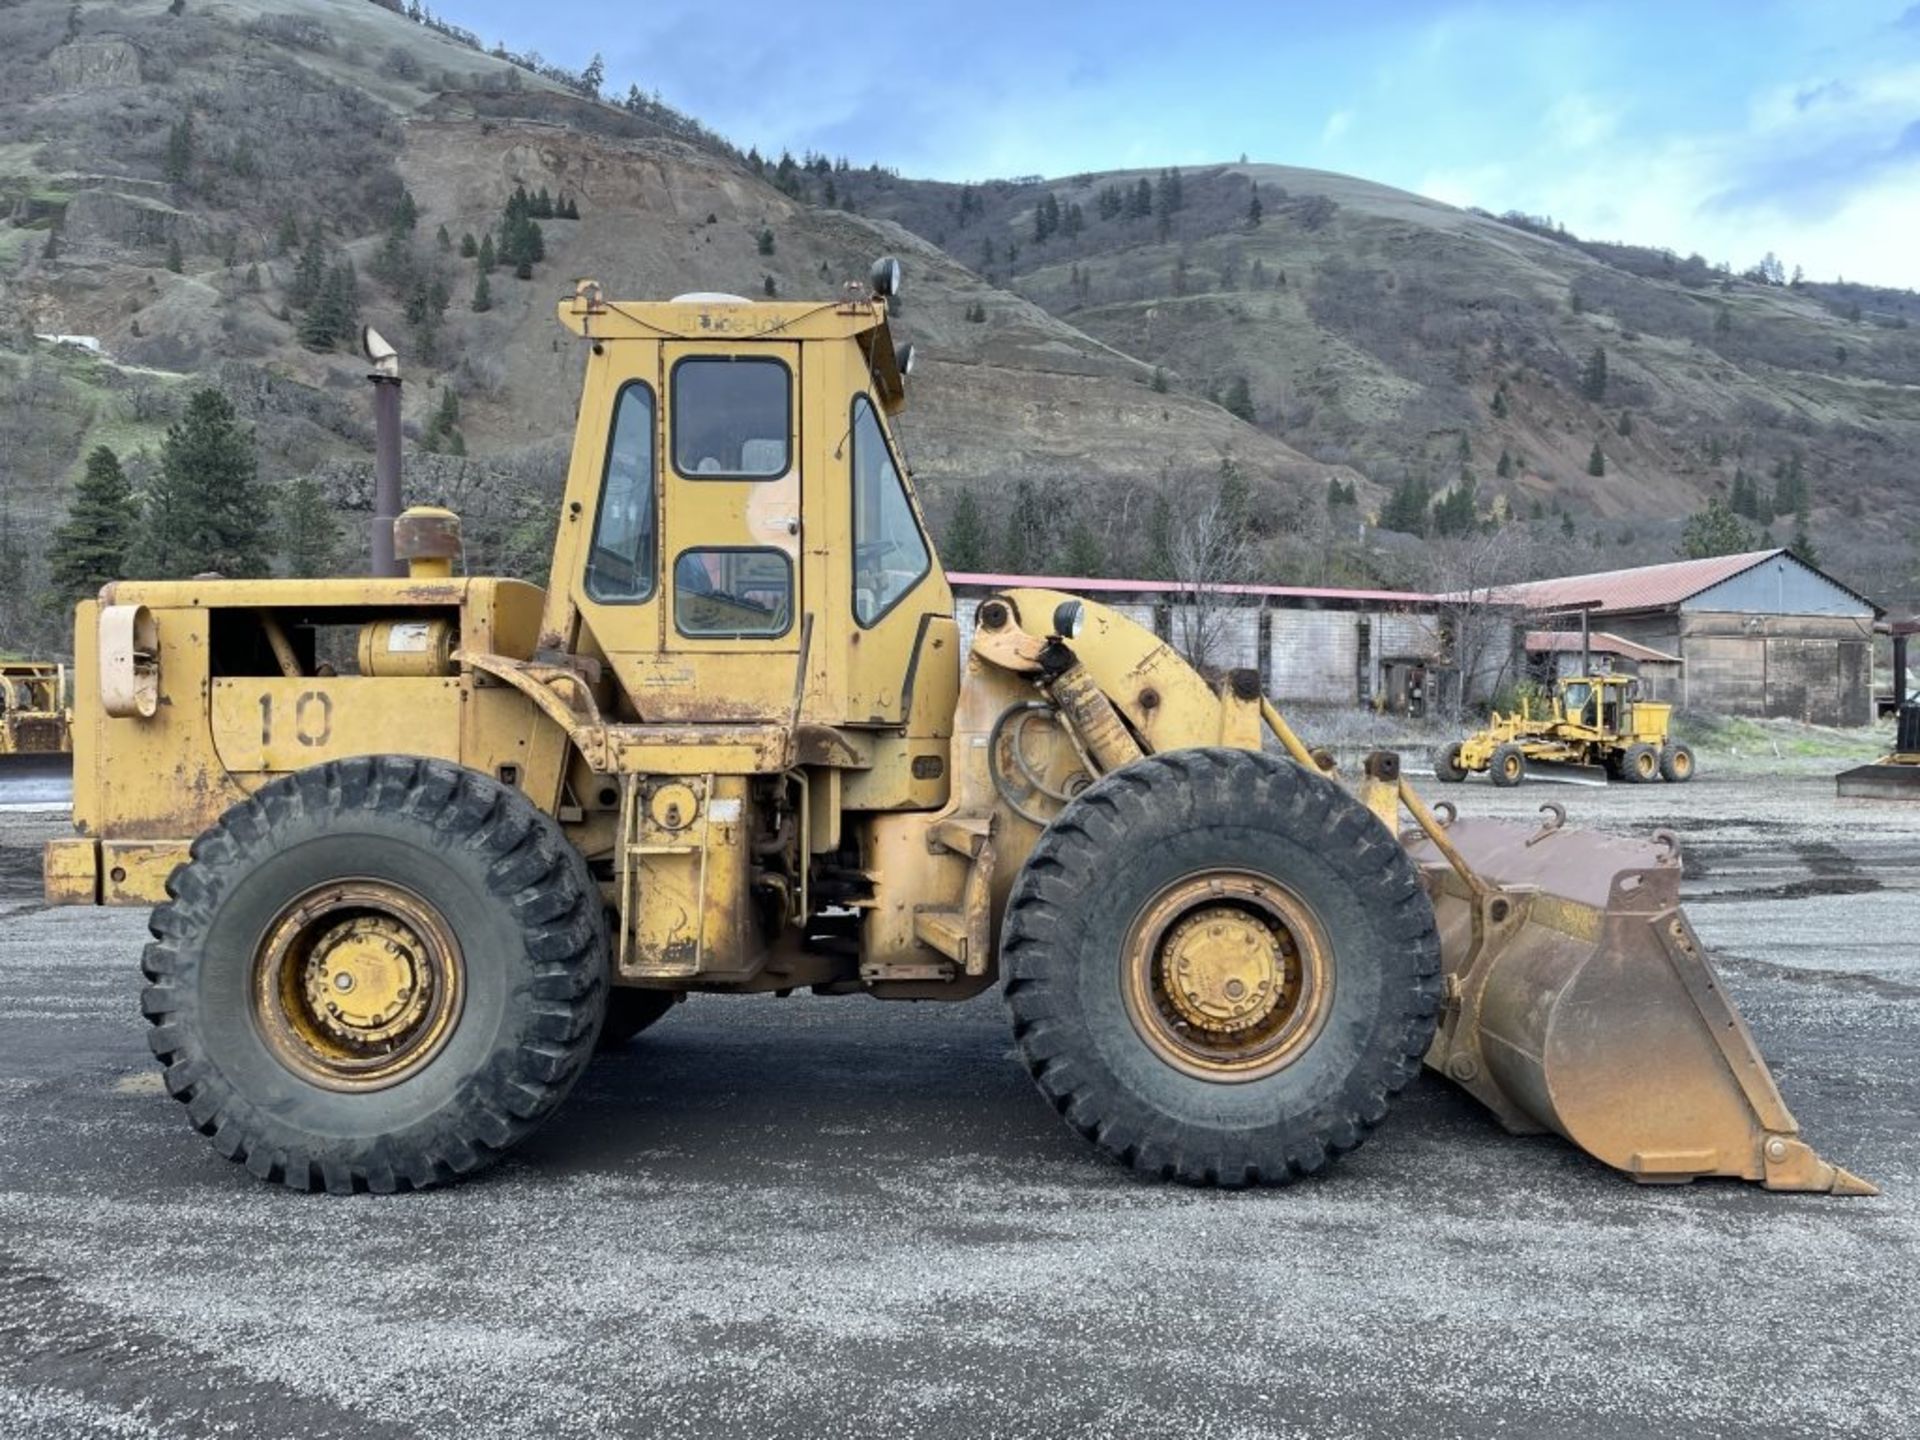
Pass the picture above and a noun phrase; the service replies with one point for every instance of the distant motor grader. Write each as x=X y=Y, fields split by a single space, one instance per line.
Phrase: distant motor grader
x=1595 y=727
x=416 y=844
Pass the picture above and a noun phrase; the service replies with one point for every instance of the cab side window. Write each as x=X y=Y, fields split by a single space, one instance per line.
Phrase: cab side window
x=621 y=561
x=732 y=418
x=890 y=553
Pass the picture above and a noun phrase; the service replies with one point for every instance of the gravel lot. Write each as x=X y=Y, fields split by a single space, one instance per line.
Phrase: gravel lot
x=809 y=1217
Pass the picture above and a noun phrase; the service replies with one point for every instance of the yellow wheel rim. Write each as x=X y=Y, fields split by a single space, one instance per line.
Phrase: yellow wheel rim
x=357 y=985
x=1647 y=764
x=1227 y=975
x=1682 y=764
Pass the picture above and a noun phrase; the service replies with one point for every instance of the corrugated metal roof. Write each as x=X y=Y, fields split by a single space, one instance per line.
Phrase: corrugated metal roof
x=1646 y=587
x=1174 y=587
x=1604 y=642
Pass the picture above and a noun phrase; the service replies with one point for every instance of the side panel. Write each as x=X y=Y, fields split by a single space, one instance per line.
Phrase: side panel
x=277 y=724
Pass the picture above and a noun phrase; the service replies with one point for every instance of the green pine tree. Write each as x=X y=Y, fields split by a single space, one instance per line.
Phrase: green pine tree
x=1239 y=400
x=1715 y=530
x=178 y=160
x=206 y=510
x=176 y=262
x=765 y=242
x=1023 y=551
x=486 y=256
x=1802 y=542
x=1593 y=376
x=968 y=544
x=1084 y=556
x=310 y=542
x=90 y=546
x=1500 y=403
x=482 y=295
x=1596 y=461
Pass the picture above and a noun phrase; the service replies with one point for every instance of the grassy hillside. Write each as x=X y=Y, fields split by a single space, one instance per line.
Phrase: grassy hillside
x=326 y=116
x=163 y=177
x=1374 y=328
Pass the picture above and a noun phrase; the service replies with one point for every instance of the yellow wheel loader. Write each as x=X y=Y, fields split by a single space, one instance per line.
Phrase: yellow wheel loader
x=1596 y=727
x=414 y=844
x=34 y=720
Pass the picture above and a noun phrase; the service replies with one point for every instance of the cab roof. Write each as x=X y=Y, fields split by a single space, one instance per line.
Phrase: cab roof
x=857 y=316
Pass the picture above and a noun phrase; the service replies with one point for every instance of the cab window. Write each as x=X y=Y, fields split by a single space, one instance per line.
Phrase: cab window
x=732 y=418
x=620 y=563
x=733 y=594
x=890 y=553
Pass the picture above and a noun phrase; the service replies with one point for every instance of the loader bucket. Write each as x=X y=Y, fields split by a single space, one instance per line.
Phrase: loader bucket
x=1580 y=1001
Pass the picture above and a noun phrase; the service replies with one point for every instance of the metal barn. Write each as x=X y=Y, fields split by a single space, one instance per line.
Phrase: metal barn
x=1761 y=633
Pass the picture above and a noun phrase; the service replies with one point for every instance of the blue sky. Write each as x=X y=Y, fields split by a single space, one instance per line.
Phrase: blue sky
x=1731 y=129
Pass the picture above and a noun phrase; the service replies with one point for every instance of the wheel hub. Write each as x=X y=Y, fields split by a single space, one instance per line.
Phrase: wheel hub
x=366 y=980
x=1223 y=970
x=1227 y=975
x=357 y=985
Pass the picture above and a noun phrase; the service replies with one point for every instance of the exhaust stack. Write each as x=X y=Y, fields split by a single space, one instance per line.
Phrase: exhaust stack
x=385 y=376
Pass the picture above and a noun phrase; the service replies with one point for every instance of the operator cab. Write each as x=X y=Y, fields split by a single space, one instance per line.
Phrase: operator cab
x=736 y=494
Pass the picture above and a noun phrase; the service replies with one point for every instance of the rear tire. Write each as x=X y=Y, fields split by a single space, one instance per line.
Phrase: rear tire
x=1676 y=762
x=376 y=974
x=1235 y=1096
x=631 y=1010
x=1508 y=767
x=1446 y=764
x=1640 y=764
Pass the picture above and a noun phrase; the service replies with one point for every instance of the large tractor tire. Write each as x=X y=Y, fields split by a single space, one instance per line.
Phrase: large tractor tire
x=629 y=1011
x=1508 y=766
x=1640 y=764
x=1220 y=968
x=1446 y=764
x=1676 y=762
x=376 y=974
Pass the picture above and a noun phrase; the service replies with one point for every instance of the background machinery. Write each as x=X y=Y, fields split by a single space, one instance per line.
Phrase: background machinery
x=1896 y=775
x=1595 y=727
x=34 y=719
x=415 y=844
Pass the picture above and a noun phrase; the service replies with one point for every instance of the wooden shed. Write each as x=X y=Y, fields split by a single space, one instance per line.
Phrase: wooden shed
x=1761 y=633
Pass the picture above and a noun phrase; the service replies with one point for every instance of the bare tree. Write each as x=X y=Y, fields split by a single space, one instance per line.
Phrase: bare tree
x=1473 y=629
x=1208 y=548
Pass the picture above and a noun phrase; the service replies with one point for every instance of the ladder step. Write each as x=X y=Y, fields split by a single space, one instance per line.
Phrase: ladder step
x=943 y=930
x=962 y=834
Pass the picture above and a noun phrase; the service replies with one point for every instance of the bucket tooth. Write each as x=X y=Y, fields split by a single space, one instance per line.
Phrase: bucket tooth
x=1579 y=1000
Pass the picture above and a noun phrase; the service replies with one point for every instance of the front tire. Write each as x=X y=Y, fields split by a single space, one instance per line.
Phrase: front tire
x=1640 y=765
x=378 y=974
x=1220 y=968
x=1446 y=764
x=1508 y=766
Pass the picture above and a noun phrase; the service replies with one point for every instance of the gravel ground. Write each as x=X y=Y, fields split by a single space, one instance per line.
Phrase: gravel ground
x=817 y=1217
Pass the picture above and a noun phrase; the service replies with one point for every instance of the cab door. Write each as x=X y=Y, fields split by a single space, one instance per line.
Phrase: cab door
x=730 y=492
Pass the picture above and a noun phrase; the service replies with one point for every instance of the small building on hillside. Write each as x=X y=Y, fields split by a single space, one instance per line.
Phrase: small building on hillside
x=1762 y=633
x=1552 y=654
x=1392 y=649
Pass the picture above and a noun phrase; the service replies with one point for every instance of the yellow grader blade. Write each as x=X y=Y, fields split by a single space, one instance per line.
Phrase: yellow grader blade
x=1579 y=1000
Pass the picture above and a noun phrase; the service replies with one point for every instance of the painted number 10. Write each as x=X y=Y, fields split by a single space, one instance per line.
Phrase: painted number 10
x=312 y=718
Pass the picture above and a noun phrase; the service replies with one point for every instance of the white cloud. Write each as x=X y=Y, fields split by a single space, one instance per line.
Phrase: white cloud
x=1579 y=122
x=1338 y=123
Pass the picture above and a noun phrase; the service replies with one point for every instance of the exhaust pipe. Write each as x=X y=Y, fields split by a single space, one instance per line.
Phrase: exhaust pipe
x=385 y=376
